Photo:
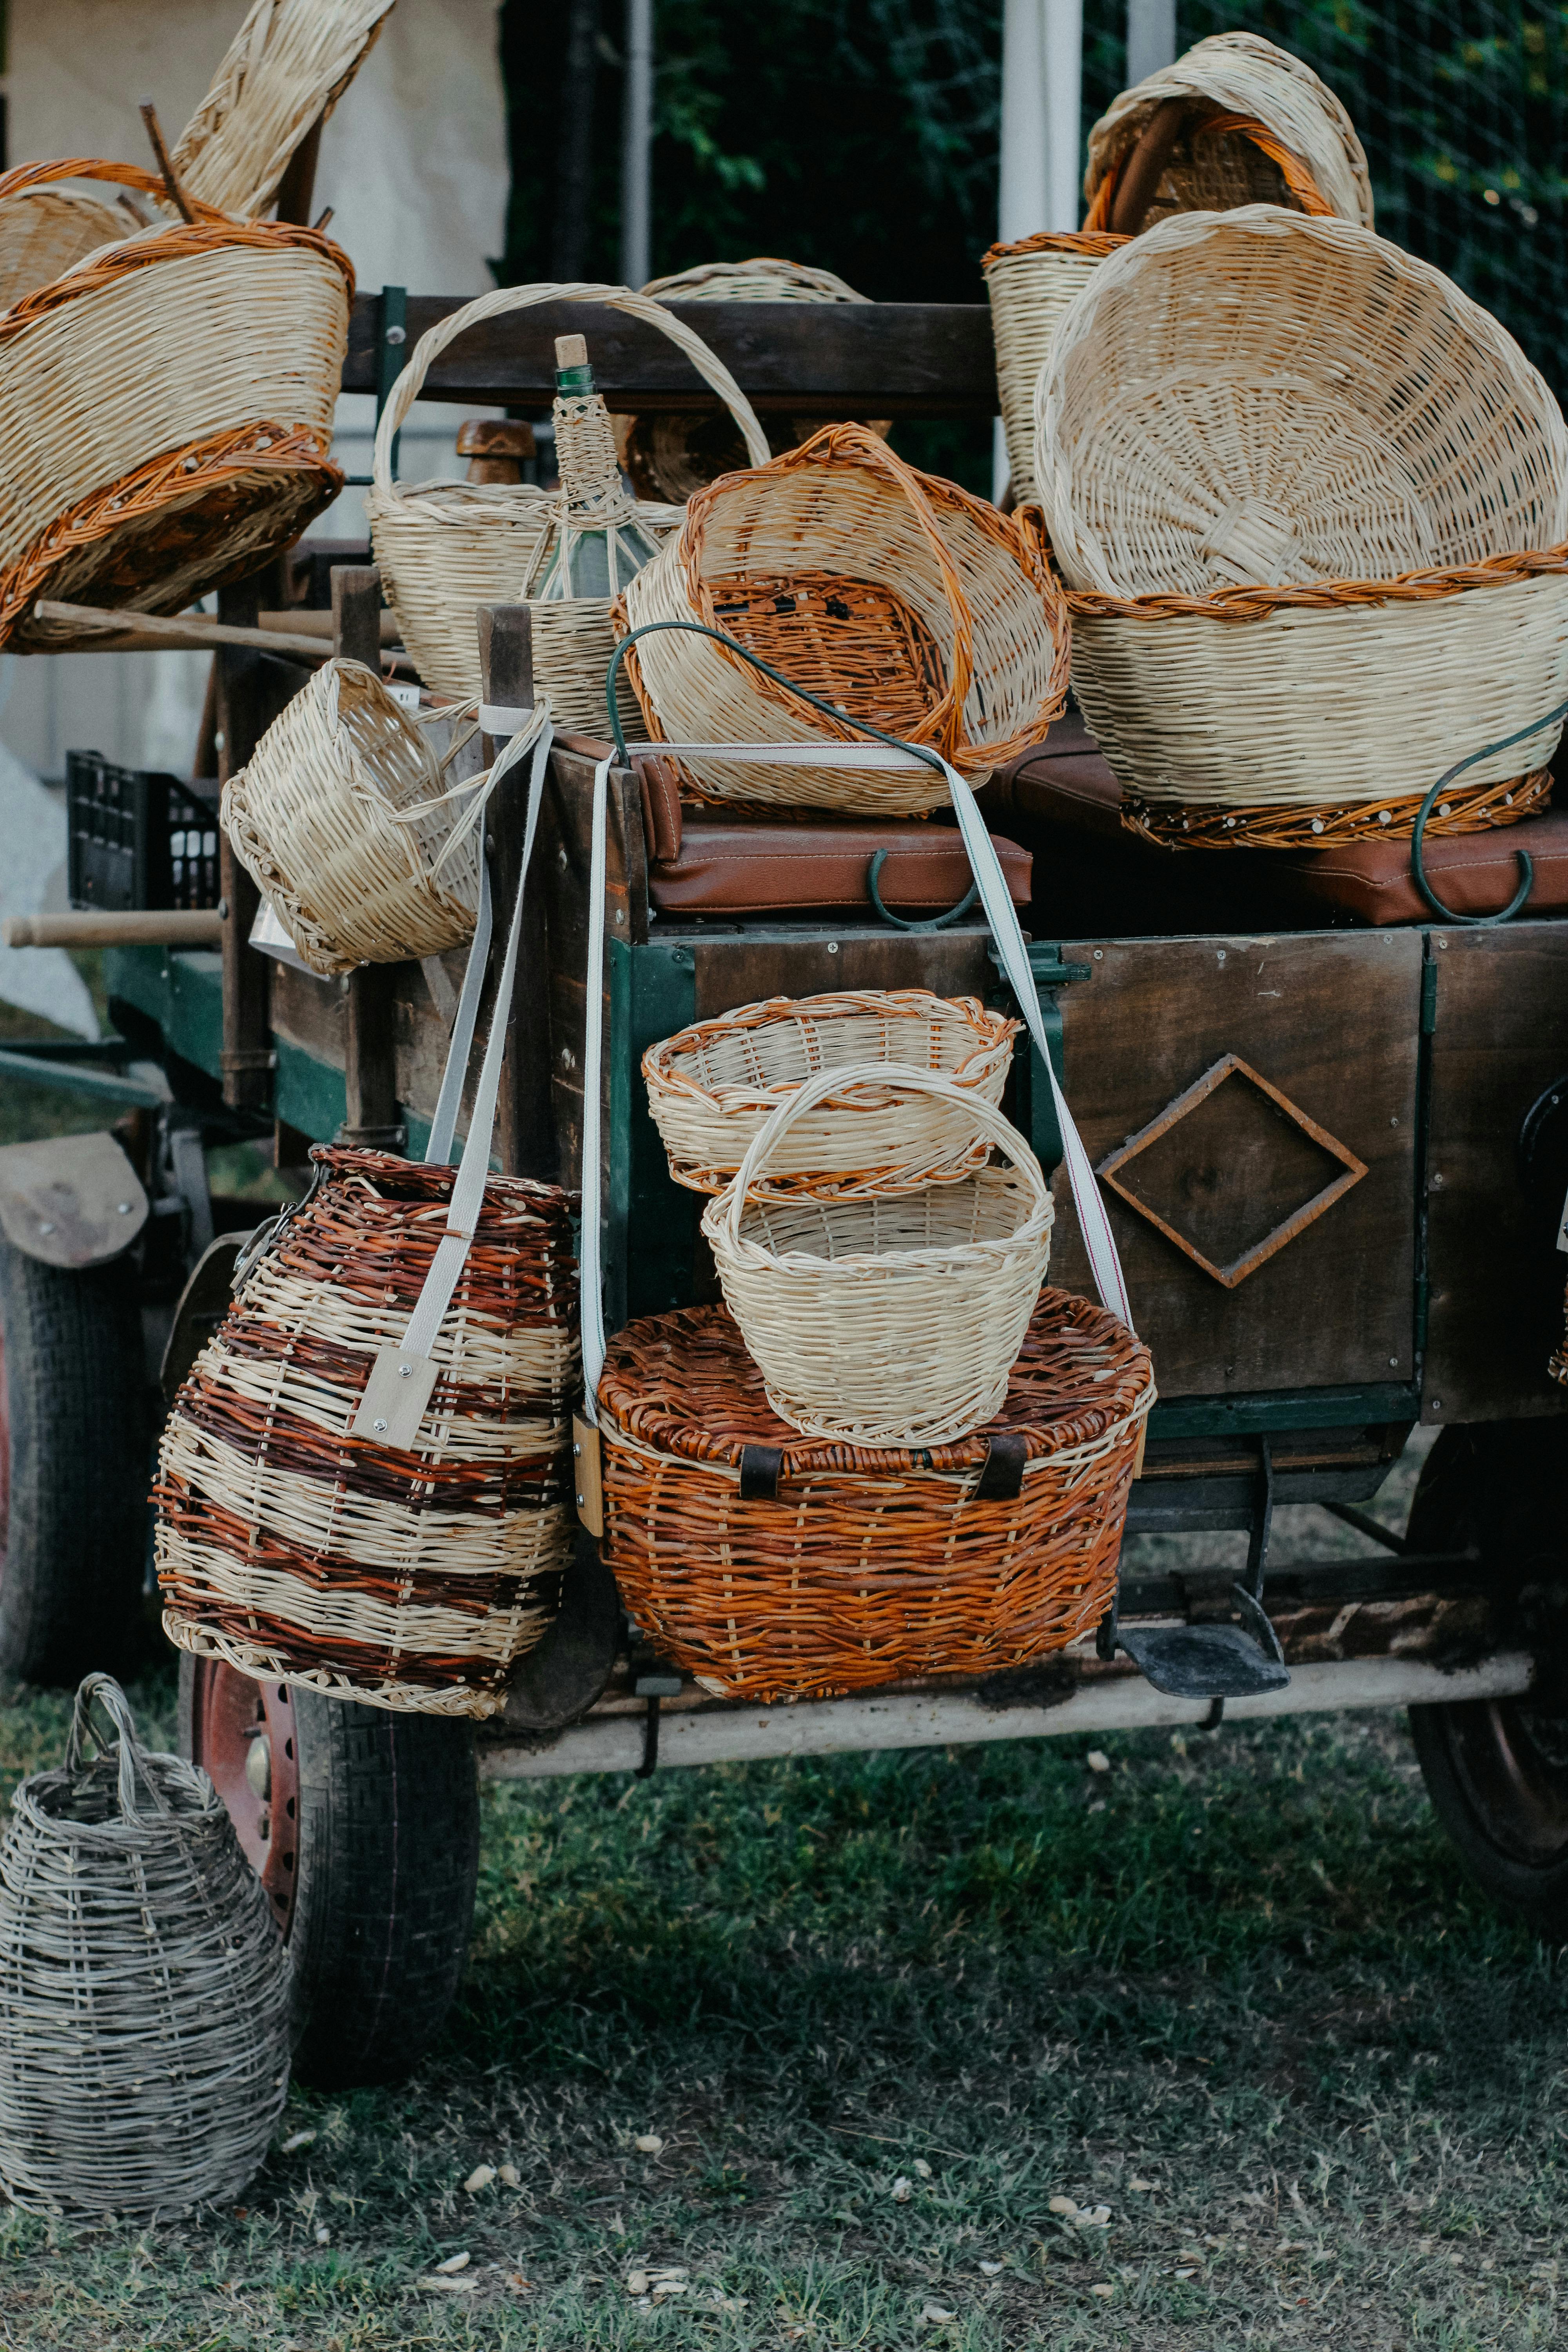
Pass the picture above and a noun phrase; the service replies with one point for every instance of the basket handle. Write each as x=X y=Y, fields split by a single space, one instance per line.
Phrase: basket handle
x=902 y=1077
x=1125 y=193
x=505 y=299
x=89 y=167
x=133 y=1756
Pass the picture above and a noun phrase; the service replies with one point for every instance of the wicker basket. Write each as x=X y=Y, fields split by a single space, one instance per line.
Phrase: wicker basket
x=869 y=1565
x=445 y=548
x=46 y=231
x=897 y=597
x=713 y=1087
x=1296 y=591
x=672 y=454
x=166 y=409
x=1028 y=286
x=409 y=1579
x=285 y=69
x=885 y=1321
x=343 y=818
x=143 y=1990
x=1308 y=140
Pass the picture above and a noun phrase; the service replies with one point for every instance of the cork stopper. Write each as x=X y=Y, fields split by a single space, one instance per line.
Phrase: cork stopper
x=571 y=351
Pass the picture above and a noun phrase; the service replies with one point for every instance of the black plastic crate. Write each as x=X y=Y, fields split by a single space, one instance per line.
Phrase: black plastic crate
x=138 y=839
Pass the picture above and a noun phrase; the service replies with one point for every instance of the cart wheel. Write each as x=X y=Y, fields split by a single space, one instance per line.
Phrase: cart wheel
x=73 y=1467
x=364 y=1826
x=1497 y=1769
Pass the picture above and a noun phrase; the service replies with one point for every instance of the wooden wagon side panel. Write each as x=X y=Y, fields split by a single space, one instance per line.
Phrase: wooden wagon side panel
x=1497 y=1005
x=1255 y=1100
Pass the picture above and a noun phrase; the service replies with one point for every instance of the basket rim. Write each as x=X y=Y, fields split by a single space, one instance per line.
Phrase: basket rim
x=894 y=1264
x=1258 y=602
x=699 y=1442
x=660 y=1062
x=1092 y=244
x=180 y=241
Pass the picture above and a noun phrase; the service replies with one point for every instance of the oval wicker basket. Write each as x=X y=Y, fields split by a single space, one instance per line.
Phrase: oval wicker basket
x=445 y=548
x=284 y=70
x=1264 y=535
x=144 y=1988
x=343 y=819
x=165 y=408
x=44 y=232
x=713 y=1087
x=1239 y=75
x=1028 y=286
x=292 y=1547
x=869 y=1564
x=673 y=453
x=899 y=597
x=885 y=1321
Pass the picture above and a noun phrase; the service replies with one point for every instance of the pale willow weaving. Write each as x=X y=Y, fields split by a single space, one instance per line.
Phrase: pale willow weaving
x=885 y=1321
x=671 y=454
x=774 y=1566
x=1028 y=286
x=446 y=548
x=409 y=1579
x=286 y=68
x=713 y=1087
x=894 y=596
x=166 y=409
x=144 y=1988
x=1298 y=591
x=344 y=818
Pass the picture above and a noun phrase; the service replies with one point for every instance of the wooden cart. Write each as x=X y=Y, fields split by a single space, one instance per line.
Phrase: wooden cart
x=1335 y=1153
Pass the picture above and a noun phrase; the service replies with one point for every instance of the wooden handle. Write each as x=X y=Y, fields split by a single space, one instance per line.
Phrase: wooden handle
x=1141 y=175
x=166 y=927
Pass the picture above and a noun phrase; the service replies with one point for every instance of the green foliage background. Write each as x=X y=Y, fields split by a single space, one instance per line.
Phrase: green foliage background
x=861 y=135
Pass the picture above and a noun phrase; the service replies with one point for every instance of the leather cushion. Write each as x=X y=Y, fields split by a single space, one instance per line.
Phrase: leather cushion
x=786 y=863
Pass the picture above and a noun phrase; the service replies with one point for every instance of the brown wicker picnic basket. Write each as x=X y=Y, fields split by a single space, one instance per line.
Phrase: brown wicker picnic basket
x=711 y=1089
x=1301 y=596
x=144 y=1988
x=166 y=409
x=897 y=597
x=775 y=1566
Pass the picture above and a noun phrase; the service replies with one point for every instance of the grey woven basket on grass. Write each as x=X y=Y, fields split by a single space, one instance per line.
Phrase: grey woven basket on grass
x=144 y=1988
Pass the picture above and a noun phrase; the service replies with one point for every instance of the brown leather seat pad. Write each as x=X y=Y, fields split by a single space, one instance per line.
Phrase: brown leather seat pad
x=1066 y=786
x=811 y=864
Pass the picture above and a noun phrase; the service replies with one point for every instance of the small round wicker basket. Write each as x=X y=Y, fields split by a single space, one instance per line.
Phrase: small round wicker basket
x=1264 y=536
x=713 y=1087
x=144 y=1988
x=1028 y=286
x=343 y=819
x=864 y=1565
x=897 y=597
x=885 y=1321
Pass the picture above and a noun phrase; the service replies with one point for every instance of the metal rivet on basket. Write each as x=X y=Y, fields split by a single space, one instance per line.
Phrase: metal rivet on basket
x=403 y=1371
x=190 y=464
x=1385 y=816
x=380 y=1428
x=1442 y=808
x=1317 y=824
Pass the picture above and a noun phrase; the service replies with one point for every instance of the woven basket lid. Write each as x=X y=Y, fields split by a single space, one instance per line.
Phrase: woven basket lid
x=684 y=1384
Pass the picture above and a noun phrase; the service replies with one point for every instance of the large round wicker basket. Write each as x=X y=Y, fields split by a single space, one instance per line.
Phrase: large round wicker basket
x=166 y=409
x=861 y=1566
x=899 y=597
x=285 y=1544
x=713 y=1087
x=343 y=818
x=672 y=453
x=1296 y=590
x=144 y=1988
x=885 y=1321
x=446 y=548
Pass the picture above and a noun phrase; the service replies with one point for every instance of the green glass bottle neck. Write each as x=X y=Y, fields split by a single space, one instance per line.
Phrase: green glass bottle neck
x=575 y=379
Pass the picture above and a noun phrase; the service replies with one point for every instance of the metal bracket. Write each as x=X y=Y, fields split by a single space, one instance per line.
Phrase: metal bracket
x=1049 y=972
x=1214 y=1662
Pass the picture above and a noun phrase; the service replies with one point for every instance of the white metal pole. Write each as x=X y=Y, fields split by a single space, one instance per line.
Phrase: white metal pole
x=1042 y=95
x=1150 y=38
x=636 y=145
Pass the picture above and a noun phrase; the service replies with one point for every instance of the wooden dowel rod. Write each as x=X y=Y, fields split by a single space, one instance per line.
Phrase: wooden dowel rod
x=128 y=632
x=104 y=928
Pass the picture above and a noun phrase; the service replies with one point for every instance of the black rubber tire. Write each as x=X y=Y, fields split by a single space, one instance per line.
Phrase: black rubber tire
x=387 y=1857
x=73 y=1547
x=1497 y=1769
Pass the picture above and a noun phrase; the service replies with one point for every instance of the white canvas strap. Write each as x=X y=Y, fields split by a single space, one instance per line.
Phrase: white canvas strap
x=1099 y=1243
x=403 y=1376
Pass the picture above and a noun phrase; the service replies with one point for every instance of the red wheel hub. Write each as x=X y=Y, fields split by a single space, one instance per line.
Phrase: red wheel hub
x=242 y=1734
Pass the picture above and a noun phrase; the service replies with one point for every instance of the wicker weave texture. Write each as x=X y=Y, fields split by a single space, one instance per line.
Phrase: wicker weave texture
x=1319 y=824
x=45 y=231
x=1230 y=402
x=885 y=1321
x=286 y=1546
x=1028 y=286
x=1248 y=75
x=143 y=1990
x=964 y=647
x=713 y=1087
x=868 y=1566
x=288 y=65
x=446 y=549
x=166 y=408
x=343 y=818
